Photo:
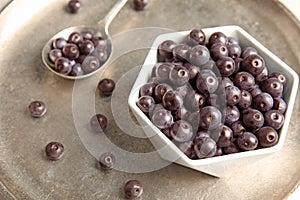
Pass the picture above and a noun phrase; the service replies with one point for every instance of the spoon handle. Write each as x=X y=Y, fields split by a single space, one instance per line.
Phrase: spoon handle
x=111 y=15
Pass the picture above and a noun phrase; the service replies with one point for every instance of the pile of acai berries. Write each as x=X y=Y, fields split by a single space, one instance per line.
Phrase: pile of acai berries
x=212 y=97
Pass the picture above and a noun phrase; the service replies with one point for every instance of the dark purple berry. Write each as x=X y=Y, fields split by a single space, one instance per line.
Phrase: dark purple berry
x=234 y=50
x=54 y=151
x=218 y=37
x=71 y=51
x=232 y=40
x=106 y=86
x=246 y=100
x=160 y=90
x=145 y=103
x=199 y=55
x=133 y=189
x=180 y=52
x=181 y=131
x=231 y=148
x=192 y=69
x=210 y=117
x=140 y=4
x=280 y=76
x=226 y=66
x=54 y=54
x=100 y=53
x=249 y=51
x=205 y=147
x=218 y=50
x=181 y=113
x=188 y=149
x=37 y=109
x=59 y=43
x=237 y=128
x=107 y=161
x=74 y=6
x=172 y=100
x=262 y=76
x=179 y=76
x=148 y=89
x=86 y=47
x=248 y=141
x=253 y=119
x=255 y=90
x=272 y=86
x=254 y=64
x=90 y=64
x=244 y=80
x=196 y=37
x=233 y=95
x=274 y=119
x=232 y=114
x=165 y=49
x=162 y=70
x=87 y=35
x=63 y=65
x=162 y=118
x=267 y=136
x=194 y=101
x=263 y=102
x=75 y=38
x=207 y=83
x=99 y=123
x=76 y=70
x=225 y=137
x=279 y=104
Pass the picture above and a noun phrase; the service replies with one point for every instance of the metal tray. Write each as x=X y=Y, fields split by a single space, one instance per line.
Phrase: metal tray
x=25 y=174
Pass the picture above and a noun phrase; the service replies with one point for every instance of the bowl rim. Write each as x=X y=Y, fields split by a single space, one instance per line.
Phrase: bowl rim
x=245 y=154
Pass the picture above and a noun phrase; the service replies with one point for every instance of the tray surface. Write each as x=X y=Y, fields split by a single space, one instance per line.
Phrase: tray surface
x=24 y=172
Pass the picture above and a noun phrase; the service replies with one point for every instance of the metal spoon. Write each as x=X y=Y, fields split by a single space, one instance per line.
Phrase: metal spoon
x=102 y=29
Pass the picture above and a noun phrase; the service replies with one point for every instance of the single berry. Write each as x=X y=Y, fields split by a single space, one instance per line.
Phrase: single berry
x=218 y=50
x=54 y=54
x=254 y=64
x=272 y=86
x=179 y=76
x=99 y=123
x=274 y=119
x=74 y=6
x=106 y=86
x=205 y=147
x=217 y=37
x=253 y=119
x=133 y=189
x=263 y=102
x=233 y=95
x=226 y=66
x=267 y=136
x=248 y=141
x=162 y=118
x=54 y=151
x=232 y=114
x=172 y=100
x=246 y=100
x=37 y=109
x=107 y=161
x=196 y=37
x=210 y=117
x=140 y=4
x=244 y=80
x=181 y=131
x=145 y=103
x=199 y=55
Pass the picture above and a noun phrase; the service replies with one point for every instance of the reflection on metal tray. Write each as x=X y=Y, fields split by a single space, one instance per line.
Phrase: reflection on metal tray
x=25 y=174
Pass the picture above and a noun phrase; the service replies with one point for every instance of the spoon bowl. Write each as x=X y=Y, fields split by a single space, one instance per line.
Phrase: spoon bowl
x=100 y=30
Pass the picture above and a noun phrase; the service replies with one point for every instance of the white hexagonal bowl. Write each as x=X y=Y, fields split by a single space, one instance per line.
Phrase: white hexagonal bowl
x=220 y=165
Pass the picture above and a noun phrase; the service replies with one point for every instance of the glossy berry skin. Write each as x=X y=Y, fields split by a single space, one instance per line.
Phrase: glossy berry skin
x=267 y=136
x=90 y=64
x=225 y=137
x=207 y=83
x=76 y=70
x=165 y=49
x=172 y=100
x=280 y=76
x=71 y=51
x=75 y=38
x=262 y=76
x=63 y=65
x=254 y=64
x=180 y=52
x=54 y=54
x=232 y=40
x=100 y=53
x=148 y=89
x=226 y=66
x=217 y=37
x=87 y=35
x=86 y=47
x=232 y=114
x=179 y=76
x=255 y=90
x=74 y=6
x=160 y=90
x=210 y=117
x=133 y=189
x=181 y=131
x=196 y=37
x=249 y=51
x=107 y=161
x=234 y=50
x=162 y=70
x=156 y=107
x=218 y=50
x=246 y=100
x=145 y=103
x=272 y=86
x=181 y=113
x=253 y=119
x=205 y=147
x=237 y=128
x=274 y=119
x=279 y=104
x=192 y=69
x=106 y=86
x=263 y=102
x=59 y=43
x=140 y=4
x=199 y=55
x=231 y=148
x=54 y=151
x=188 y=149
x=244 y=80
x=194 y=101
x=37 y=109
x=162 y=118
x=248 y=141
x=98 y=123
x=233 y=95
